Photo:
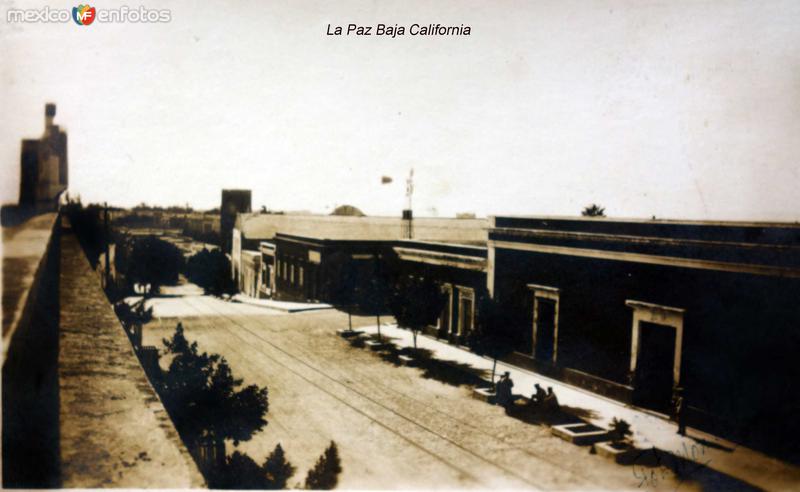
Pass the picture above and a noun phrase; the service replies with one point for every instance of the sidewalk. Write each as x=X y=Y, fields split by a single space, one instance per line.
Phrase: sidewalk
x=288 y=307
x=726 y=457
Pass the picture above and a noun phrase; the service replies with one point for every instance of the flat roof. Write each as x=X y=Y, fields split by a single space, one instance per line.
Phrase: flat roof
x=640 y=220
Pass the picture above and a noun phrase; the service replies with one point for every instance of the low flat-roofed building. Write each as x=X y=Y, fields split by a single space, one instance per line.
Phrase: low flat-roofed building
x=637 y=308
x=251 y=229
x=461 y=272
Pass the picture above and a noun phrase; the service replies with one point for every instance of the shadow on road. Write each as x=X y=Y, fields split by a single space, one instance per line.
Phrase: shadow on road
x=689 y=465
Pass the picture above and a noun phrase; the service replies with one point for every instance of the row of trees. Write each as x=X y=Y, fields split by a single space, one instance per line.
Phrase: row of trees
x=242 y=472
x=416 y=302
x=88 y=224
x=209 y=406
x=152 y=262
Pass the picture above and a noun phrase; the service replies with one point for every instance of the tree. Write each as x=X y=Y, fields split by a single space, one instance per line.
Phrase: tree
x=325 y=474
x=211 y=270
x=240 y=472
x=243 y=473
x=122 y=260
x=348 y=210
x=374 y=296
x=493 y=336
x=205 y=400
x=593 y=210
x=416 y=303
x=131 y=315
x=277 y=469
x=340 y=283
x=87 y=223
x=154 y=262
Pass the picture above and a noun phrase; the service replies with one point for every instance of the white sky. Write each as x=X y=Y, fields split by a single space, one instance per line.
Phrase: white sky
x=681 y=109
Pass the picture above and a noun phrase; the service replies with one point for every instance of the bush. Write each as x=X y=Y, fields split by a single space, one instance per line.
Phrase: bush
x=620 y=430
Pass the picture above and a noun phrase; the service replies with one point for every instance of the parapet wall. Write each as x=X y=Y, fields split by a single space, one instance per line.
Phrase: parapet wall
x=78 y=410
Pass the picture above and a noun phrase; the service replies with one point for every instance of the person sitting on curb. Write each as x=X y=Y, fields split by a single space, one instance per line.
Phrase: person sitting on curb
x=538 y=397
x=550 y=404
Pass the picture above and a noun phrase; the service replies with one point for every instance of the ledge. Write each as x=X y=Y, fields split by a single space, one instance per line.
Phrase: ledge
x=113 y=429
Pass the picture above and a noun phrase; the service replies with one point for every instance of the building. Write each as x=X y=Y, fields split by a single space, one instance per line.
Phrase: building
x=250 y=278
x=325 y=234
x=635 y=309
x=44 y=167
x=233 y=202
x=632 y=309
x=461 y=272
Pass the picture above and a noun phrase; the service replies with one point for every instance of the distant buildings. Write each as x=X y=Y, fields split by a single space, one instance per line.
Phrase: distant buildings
x=297 y=252
x=44 y=167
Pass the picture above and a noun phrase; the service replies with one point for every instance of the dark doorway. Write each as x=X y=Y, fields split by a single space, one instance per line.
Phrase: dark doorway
x=466 y=316
x=444 y=318
x=545 y=329
x=454 y=315
x=654 y=365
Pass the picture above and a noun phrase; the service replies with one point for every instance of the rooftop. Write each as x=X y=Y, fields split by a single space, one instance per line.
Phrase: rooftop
x=327 y=227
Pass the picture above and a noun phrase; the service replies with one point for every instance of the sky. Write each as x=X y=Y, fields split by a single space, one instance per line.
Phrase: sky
x=674 y=109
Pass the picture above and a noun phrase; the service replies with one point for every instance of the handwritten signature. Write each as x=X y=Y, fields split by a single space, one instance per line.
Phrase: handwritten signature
x=653 y=466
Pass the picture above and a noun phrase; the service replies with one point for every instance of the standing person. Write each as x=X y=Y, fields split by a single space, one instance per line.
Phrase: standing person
x=503 y=390
x=680 y=410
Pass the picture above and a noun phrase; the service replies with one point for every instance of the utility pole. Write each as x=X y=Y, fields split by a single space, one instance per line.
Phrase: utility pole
x=408 y=216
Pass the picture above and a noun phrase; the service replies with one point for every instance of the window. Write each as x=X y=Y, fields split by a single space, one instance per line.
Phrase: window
x=291 y=274
x=300 y=275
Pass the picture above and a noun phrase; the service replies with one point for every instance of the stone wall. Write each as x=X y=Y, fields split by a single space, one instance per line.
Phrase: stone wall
x=78 y=410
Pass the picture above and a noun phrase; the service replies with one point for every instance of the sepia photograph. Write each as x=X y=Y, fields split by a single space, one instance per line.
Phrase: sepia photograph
x=400 y=245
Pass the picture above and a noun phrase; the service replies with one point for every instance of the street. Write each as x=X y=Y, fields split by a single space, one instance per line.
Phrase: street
x=394 y=428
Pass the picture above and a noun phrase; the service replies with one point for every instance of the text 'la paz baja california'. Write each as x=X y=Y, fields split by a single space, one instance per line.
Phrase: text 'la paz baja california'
x=393 y=31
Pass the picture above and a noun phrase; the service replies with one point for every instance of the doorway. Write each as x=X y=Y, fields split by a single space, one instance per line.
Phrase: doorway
x=545 y=329
x=465 y=313
x=654 y=371
x=444 y=317
x=544 y=335
x=656 y=346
